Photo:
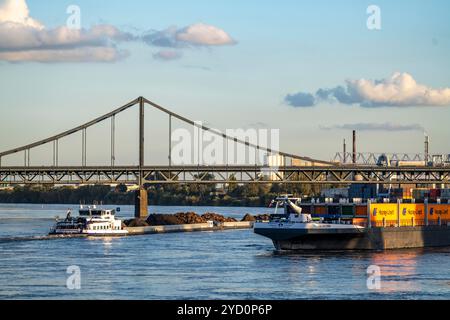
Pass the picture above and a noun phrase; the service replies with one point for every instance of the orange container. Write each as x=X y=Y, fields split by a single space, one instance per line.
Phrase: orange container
x=438 y=210
x=320 y=210
x=361 y=210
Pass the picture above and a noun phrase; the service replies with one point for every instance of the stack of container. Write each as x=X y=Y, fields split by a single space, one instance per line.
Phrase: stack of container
x=407 y=193
x=364 y=191
x=401 y=193
x=396 y=193
x=435 y=194
x=421 y=193
x=445 y=193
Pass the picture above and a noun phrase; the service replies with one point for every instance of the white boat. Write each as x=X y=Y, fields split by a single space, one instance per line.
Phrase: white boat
x=91 y=221
x=294 y=230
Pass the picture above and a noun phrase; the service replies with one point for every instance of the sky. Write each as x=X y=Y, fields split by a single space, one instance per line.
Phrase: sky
x=312 y=69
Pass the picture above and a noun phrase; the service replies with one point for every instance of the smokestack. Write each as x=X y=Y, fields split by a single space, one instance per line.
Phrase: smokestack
x=354 y=146
x=427 y=142
x=345 y=152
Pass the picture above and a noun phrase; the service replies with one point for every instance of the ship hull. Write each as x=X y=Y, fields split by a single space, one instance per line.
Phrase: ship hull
x=90 y=233
x=376 y=238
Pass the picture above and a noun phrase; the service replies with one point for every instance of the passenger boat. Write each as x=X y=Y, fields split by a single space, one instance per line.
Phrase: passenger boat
x=91 y=221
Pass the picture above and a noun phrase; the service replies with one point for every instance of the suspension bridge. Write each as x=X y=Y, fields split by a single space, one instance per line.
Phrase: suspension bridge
x=311 y=171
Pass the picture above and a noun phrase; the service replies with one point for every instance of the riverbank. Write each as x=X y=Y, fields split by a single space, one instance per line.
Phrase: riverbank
x=249 y=195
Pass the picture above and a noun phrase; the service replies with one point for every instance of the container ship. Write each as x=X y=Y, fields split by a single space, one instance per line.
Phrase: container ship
x=371 y=225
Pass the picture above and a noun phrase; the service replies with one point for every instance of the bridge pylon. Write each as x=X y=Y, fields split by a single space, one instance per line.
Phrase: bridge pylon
x=141 y=203
x=141 y=196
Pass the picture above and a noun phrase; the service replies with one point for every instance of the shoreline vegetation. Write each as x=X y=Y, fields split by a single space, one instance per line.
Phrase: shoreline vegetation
x=233 y=195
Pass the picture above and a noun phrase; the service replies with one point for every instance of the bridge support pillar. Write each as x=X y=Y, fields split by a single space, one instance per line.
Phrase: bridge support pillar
x=141 y=204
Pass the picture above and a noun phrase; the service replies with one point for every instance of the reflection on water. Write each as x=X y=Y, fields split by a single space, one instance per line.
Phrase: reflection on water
x=234 y=264
x=397 y=269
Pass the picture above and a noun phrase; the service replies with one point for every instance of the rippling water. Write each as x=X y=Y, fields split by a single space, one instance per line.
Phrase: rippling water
x=234 y=264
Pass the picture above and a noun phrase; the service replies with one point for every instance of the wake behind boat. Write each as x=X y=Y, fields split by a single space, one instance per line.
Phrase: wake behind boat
x=92 y=221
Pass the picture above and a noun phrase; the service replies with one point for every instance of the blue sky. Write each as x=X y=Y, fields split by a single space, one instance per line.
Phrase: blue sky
x=282 y=47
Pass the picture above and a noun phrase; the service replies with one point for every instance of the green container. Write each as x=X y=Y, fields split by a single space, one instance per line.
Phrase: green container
x=347 y=210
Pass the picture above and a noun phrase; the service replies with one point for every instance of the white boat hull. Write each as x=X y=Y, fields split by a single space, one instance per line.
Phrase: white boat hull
x=93 y=233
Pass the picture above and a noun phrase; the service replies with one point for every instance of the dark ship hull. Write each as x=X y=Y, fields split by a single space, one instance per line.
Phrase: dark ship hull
x=375 y=238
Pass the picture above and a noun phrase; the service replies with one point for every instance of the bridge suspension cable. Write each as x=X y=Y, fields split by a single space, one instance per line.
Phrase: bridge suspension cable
x=113 y=140
x=141 y=101
x=225 y=136
x=71 y=131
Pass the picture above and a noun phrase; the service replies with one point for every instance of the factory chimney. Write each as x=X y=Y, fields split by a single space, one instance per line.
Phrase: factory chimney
x=345 y=152
x=427 y=143
x=354 y=147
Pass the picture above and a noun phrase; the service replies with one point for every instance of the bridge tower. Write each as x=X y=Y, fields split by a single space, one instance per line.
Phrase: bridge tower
x=141 y=196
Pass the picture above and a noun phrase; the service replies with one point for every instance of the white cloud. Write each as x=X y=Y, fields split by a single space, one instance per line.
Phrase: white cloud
x=16 y=11
x=24 y=39
x=86 y=54
x=387 y=126
x=399 y=90
x=198 y=34
x=167 y=55
x=204 y=35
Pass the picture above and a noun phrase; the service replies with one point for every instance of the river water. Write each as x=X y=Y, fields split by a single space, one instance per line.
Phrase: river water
x=233 y=264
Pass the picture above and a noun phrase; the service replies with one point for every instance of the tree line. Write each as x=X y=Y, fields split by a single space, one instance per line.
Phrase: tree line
x=232 y=194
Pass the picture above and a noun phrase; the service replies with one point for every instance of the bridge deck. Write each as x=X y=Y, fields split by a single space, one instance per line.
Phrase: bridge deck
x=339 y=174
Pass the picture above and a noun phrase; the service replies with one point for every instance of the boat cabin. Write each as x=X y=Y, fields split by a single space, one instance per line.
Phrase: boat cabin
x=93 y=211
